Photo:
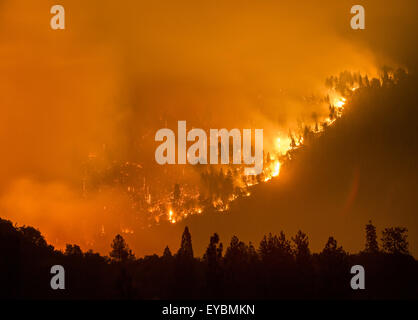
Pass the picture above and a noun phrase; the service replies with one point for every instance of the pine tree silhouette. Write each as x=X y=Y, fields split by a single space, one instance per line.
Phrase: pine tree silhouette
x=371 y=239
x=186 y=248
x=120 y=250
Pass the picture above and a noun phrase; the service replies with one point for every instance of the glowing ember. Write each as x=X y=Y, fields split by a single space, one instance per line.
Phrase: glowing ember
x=127 y=231
x=276 y=170
x=170 y=217
x=340 y=102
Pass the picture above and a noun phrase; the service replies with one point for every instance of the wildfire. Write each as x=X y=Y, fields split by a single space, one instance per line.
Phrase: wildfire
x=329 y=121
x=340 y=103
x=275 y=170
x=127 y=231
x=271 y=170
x=188 y=199
x=170 y=217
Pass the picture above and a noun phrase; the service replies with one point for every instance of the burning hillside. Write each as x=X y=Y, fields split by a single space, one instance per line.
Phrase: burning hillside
x=171 y=194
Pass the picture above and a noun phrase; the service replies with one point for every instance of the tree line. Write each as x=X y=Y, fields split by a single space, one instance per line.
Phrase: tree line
x=279 y=268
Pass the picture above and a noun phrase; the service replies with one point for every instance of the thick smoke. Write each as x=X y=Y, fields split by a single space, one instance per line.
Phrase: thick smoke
x=122 y=70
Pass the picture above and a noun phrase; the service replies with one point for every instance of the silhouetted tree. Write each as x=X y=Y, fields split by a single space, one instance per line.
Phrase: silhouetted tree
x=304 y=279
x=34 y=236
x=186 y=248
x=278 y=265
x=371 y=239
x=213 y=254
x=237 y=252
x=120 y=250
x=394 y=240
x=301 y=250
x=332 y=248
x=73 y=250
x=167 y=253
x=185 y=267
x=213 y=258
x=274 y=247
x=333 y=262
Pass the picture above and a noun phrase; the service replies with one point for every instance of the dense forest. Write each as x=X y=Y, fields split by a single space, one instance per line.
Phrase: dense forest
x=375 y=138
x=361 y=166
x=279 y=268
